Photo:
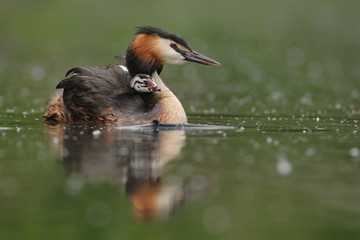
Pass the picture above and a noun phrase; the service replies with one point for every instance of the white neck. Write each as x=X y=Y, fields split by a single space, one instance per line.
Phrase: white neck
x=172 y=110
x=159 y=82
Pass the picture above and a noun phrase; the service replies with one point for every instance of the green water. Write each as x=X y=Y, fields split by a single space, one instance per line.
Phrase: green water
x=289 y=85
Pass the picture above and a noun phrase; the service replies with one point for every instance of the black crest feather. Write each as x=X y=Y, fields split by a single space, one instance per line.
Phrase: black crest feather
x=162 y=33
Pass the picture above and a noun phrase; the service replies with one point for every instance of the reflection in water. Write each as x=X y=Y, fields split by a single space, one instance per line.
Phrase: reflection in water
x=128 y=158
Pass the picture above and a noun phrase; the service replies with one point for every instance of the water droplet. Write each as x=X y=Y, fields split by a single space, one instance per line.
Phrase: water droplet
x=73 y=185
x=283 y=166
x=199 y=156
x=96 y=134
x=124 y=151
x=306 y=99
x=19 y=144
x=55 y=140
x=354 y=152
x=198 y=183
x=309 y=152
x=274 y=96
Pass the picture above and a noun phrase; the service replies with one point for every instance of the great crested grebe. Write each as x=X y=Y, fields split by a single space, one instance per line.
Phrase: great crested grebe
x=134 y=94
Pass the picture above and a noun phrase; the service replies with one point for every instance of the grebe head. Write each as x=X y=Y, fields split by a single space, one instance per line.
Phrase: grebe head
x=153 y=47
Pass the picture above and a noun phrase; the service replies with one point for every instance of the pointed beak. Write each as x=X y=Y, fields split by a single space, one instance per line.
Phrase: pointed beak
x=193 y=56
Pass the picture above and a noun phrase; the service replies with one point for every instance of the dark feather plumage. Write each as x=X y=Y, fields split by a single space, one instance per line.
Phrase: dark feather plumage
x=102 y=93
x=136 y=65
x=162 y=33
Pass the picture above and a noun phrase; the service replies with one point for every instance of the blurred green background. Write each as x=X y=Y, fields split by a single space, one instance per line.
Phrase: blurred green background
x=289 y=79
x=283 y=55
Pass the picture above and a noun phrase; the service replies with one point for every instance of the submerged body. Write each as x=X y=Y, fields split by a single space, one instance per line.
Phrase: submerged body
x=122 y=94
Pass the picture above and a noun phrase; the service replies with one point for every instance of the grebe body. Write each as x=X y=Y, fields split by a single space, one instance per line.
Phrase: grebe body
x=134 y=94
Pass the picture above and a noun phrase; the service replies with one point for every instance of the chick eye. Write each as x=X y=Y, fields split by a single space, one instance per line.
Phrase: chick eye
x=173 y=45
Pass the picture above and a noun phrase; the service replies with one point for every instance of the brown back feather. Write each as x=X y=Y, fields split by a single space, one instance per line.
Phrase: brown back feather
x=104 y=93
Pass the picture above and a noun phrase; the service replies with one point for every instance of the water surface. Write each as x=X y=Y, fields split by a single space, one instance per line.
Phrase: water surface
x=290 y=176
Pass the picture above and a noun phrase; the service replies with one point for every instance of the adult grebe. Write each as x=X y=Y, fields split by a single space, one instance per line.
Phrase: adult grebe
x=134 y=94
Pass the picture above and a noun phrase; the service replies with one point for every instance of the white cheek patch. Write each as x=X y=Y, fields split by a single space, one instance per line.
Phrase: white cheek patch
x=168 y=54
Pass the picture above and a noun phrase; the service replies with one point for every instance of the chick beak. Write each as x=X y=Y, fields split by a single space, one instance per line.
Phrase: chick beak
x=193 y=56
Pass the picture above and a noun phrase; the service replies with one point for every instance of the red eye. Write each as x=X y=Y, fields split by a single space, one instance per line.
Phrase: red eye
x=173 y=45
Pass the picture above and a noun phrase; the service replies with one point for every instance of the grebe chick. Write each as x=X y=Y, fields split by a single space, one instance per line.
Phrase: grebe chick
x=144 y=83
x=134 y=94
